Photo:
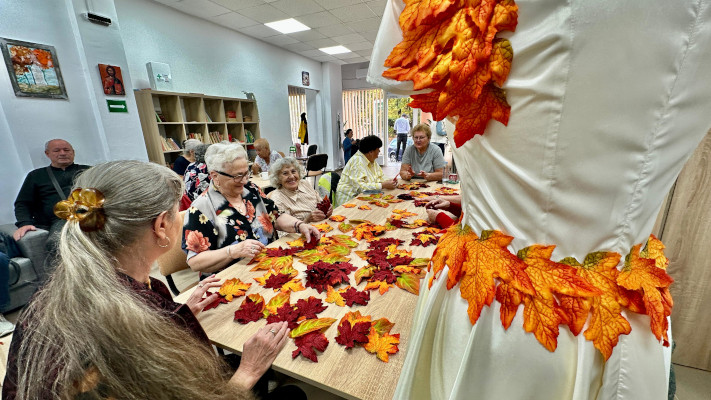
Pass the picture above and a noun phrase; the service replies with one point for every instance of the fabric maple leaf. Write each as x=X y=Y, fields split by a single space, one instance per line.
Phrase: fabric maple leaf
x=345 y=227
x=335 y=296
x=323 y=227
x=364 y=207
x=324 y=205
x=277 y=281
x=423 y=239
x=275 y=302
x=232 y=288
x=350 y=335
x=606 y=321
x=308 y=344
x=285 y=313
x=250 y=310
x=349 y=205
x=309 y=308
x=382 y=345
x=219 y=300
x=642 y=274
x=273 y=263
x=450 y=47
x=321 y=274
x=353 y=296
x=337 y=218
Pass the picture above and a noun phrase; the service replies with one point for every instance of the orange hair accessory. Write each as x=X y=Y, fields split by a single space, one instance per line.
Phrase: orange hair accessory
x=85 y=206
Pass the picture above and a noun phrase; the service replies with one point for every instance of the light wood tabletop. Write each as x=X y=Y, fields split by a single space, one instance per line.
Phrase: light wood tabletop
x=353 y=373
x=261 y=183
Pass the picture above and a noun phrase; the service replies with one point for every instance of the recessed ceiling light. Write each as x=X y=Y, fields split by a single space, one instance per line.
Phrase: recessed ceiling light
x=287 y=26
x=335 y=50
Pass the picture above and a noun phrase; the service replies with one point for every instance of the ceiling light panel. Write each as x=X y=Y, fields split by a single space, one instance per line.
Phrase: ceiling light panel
x=335 y=50
x=289 y=25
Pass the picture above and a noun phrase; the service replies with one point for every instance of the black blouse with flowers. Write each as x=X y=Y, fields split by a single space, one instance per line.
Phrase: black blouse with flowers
x=212 y=223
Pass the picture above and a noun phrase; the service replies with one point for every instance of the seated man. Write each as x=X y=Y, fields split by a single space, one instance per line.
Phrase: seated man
x=265 y=156
x=43 y=188
x=422 y=159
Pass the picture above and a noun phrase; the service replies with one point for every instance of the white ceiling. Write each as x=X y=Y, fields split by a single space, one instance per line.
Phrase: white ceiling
x=351 y=23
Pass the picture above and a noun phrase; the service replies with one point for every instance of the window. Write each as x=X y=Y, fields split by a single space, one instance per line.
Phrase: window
x=363 y=112
x=297 y=105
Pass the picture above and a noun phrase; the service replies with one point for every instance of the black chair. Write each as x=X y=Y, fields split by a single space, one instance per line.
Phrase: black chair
x=312 y=150
x=315 y=165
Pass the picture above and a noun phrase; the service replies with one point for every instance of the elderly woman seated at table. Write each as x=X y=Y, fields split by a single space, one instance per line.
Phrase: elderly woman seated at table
x=197 y=179
x=362 y=173
x=232 y=219
x=294 y=195
x=102 y=327
x=423 y=159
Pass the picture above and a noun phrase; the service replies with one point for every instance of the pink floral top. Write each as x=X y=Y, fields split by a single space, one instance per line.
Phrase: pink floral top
x=212 y=223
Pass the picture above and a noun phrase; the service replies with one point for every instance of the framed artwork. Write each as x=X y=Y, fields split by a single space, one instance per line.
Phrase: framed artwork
x=305 y=78
x=33 y=68
x=111 y=79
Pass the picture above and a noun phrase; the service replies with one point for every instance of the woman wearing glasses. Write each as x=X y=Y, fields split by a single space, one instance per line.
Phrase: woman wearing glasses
x=294 y=195
x=233 y=219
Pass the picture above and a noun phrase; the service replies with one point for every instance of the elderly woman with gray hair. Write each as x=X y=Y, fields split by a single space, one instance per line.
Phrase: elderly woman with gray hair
x=293 y=195
x=188 y=156
x=233 y=219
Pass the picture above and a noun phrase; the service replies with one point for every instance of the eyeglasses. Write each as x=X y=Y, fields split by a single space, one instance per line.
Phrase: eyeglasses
x=238 y=177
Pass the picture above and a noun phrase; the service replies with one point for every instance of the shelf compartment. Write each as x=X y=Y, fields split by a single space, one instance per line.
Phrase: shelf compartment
x=196 y=131
x=214 y=110
x=219 y=129
x=236 y=131
x=193 y=109
x=233 y=111
x=168 y=107
x=249 y=112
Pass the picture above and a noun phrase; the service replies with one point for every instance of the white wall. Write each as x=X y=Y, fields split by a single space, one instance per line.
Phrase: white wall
x=27 y=123
x=350 y=81
x=211 y=59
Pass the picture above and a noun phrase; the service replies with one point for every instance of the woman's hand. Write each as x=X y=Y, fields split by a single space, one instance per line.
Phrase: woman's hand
x=310 y=232
x=317 y=215
x=255 y=168
x=437 y=203
x=406 y=175
x=432 y=215
x=259 y=353
x=330 y=211
x=195 y=302
x=247 y=248
x=389 y=184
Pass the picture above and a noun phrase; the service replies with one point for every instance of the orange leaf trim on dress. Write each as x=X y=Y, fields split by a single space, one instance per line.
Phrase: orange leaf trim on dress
x=557 y=293
x=450 y=46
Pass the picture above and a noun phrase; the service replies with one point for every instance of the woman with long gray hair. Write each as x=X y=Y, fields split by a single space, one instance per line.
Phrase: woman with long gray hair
x=102 y=327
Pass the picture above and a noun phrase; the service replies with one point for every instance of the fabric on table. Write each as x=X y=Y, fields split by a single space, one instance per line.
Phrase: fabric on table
x=298 y=203
x=358 y=176
x=212 y=223
x=273 y=156
x=431 y=160
x=606 y=107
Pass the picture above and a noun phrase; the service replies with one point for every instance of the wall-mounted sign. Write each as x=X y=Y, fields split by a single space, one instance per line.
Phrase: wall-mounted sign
x=117 y=105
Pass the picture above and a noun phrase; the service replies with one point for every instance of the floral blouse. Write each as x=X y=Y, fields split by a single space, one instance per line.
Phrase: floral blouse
x=197 y=180
x=212 y=223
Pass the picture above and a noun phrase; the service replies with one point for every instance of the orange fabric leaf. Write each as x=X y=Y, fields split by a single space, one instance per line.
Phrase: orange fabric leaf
x=382 y=286
x=643 y=274
x=364 y=207
x=510 y=299
x=654 y=249
x=294 y=285
x=334 y=296
x=606 y=320
x=275 y=302
x=349 y=205
x=337 y=218
x=451 y=251
x=233 y=288
x=382 y=345
x=487 y=258
x=324 y=227
x=275 y=263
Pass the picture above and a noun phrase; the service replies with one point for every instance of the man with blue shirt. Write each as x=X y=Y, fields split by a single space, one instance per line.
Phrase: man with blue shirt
x=402 y=128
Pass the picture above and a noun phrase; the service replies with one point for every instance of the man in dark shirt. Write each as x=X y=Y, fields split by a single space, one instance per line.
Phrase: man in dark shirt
x=34 y=206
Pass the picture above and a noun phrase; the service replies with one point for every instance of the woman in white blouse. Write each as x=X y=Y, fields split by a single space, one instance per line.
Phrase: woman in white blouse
x=294 y=195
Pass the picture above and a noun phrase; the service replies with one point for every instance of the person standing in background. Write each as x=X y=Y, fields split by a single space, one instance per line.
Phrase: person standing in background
x=402 y=128
x=439 y=134
x=347 y=146
x=303 y=129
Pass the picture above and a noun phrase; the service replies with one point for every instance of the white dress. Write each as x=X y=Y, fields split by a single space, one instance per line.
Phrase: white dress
x=608 y=100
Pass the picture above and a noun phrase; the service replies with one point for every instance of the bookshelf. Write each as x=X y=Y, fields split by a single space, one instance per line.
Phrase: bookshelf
x=169 y=118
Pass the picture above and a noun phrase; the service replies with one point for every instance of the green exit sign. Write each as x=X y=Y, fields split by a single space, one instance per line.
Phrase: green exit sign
x=117 y=105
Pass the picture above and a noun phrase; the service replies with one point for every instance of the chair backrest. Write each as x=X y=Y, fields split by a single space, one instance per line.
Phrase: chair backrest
x=316 y=162
x=312 y=150
x=281 y=153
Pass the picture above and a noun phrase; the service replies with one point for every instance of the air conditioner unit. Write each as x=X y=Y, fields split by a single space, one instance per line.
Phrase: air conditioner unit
x=361 y=73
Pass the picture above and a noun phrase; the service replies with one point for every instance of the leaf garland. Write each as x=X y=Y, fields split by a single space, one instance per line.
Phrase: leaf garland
x=451 y=47
x=556 y=293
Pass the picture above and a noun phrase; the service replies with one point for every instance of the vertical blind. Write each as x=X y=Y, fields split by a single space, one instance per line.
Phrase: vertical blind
x=297 y=105
x=363 y=112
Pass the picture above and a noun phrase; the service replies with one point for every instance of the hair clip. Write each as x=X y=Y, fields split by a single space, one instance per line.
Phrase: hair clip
x=85 y=206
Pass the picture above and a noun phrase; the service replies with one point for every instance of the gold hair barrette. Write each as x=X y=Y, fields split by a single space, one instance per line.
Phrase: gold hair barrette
x=85 y=206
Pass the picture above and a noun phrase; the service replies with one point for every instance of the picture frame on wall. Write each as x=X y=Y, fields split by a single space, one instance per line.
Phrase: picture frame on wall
x=33 y=68
x=305 y=78
x=112 y=80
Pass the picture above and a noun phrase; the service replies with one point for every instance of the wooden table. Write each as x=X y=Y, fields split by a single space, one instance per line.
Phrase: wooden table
x=354 y=373
x=262 y=183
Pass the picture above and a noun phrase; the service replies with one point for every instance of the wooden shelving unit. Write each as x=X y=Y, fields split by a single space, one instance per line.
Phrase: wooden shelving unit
x=208 y=118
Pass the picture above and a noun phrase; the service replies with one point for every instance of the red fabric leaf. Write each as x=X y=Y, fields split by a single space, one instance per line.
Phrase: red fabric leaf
x=285 y=313
x=350 y=335
x=321 y=274
x=353 y=296
x=249 y=311
x=308 y=308
x=217 y=302
x=308 y=344
x=277 y=281
x=324 y=204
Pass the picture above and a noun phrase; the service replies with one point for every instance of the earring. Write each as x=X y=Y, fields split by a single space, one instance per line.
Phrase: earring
x=166 y=245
